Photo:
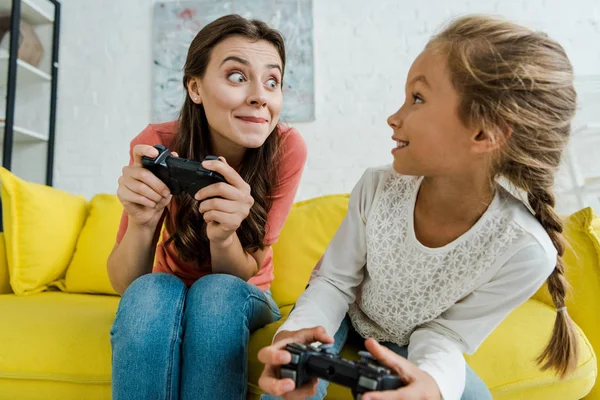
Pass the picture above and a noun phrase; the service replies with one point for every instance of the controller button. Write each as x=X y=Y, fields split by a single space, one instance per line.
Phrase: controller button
x=367 y=383
x=327 y=348
x=295 y=359
x=288 y=373
x=366 y=357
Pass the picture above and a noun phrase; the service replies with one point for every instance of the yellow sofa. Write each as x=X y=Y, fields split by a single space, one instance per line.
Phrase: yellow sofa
x=57 y=307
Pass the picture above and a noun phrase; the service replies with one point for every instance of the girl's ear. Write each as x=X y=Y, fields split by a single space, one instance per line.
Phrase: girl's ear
x=487 y=140
x=193 y=86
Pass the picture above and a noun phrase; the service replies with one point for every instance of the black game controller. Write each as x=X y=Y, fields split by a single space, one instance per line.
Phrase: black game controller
x=181 y=175
x=311 y=361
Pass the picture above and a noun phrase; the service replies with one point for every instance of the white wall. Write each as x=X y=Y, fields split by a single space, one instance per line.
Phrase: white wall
x=363 y=50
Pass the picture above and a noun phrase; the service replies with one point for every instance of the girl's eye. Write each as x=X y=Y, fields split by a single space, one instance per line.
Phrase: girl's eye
x=273 y=83
x=417 y=99
x=236 y=77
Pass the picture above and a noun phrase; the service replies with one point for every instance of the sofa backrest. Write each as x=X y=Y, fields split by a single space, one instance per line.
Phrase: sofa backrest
x=306 y=234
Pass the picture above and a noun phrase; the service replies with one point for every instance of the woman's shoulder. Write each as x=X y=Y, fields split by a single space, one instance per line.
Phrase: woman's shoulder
x=289 y=137
x=292 y=145
x=160 y=133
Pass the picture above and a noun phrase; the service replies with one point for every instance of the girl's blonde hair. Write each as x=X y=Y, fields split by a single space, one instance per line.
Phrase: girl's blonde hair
x=519 y=83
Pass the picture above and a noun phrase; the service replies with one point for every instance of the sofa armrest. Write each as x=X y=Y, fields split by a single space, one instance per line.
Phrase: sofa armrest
x=4 y=276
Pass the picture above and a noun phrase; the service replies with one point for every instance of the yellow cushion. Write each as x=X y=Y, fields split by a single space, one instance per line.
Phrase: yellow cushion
x=582 y=266
x=308 y=230
x=41 y=225
x=87 y=271
x=4 y=276
x=56 y=343
x=506 y=360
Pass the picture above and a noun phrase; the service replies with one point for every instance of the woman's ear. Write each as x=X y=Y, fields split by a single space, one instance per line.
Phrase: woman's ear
x=487 y=140
x=193 y=86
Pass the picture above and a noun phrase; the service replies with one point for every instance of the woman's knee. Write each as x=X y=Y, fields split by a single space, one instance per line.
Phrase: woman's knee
x=150 y=307
x=151 y=289
x=218 y=294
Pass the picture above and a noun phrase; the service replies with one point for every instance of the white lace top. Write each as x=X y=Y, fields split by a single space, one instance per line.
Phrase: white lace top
x=439 y=301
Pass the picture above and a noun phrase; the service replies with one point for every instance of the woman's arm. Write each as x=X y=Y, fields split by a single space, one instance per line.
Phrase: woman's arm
x=144 y=198
x=230 y=258
x=227 y=254
x=132 y=257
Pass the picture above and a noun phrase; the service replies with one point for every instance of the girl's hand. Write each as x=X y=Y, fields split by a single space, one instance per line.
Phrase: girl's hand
x=142 y=194
x=224 y=205
x=274 y=356
x=419 y=384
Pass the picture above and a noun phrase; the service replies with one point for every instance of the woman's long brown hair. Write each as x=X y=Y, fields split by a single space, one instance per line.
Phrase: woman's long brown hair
x=186 y=227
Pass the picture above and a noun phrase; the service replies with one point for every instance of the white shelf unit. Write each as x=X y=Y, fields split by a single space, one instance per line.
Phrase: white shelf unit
x=23 y=135
x=30 y=12
x=27 y=74
x=31 y=95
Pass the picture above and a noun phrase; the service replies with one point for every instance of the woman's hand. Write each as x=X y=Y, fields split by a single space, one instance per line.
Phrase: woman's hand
x=274 y=356
x=142 y=194
x=224 y=205
x=419 y=384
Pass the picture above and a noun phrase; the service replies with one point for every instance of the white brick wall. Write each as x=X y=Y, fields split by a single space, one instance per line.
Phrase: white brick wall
x=362 y=53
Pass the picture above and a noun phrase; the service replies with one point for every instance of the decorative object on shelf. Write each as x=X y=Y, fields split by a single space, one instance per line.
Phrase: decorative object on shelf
x=176 y=24
x=30 y=46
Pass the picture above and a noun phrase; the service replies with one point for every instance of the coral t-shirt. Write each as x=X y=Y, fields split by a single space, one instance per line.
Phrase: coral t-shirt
x=292 y=160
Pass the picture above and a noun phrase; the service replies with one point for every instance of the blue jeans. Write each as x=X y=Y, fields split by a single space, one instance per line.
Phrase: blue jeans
x=475 y=389
x=171 y=342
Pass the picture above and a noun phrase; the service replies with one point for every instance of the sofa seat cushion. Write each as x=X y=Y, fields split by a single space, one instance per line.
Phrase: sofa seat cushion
x=505 y=361
x=55 y=337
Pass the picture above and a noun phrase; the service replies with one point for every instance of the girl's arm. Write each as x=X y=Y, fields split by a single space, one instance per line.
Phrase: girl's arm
x=438 y=346
x=325 y=301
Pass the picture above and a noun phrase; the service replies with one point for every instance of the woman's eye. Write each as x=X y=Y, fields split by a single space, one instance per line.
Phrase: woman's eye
x=236 y=77
x=273 y=83
x=417 y=99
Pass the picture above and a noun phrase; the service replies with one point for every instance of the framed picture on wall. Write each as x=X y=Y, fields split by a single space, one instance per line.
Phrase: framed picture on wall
x=177 y=23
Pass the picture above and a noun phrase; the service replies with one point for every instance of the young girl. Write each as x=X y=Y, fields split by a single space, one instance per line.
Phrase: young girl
x=433 y=254
x=182 y=331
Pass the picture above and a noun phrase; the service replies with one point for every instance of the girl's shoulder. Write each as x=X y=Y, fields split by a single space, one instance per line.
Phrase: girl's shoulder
x=514 y=210
x=385 y=178
x=382 y=184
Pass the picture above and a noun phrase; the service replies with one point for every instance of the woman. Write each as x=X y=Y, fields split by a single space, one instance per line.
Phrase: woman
x=182 y=331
